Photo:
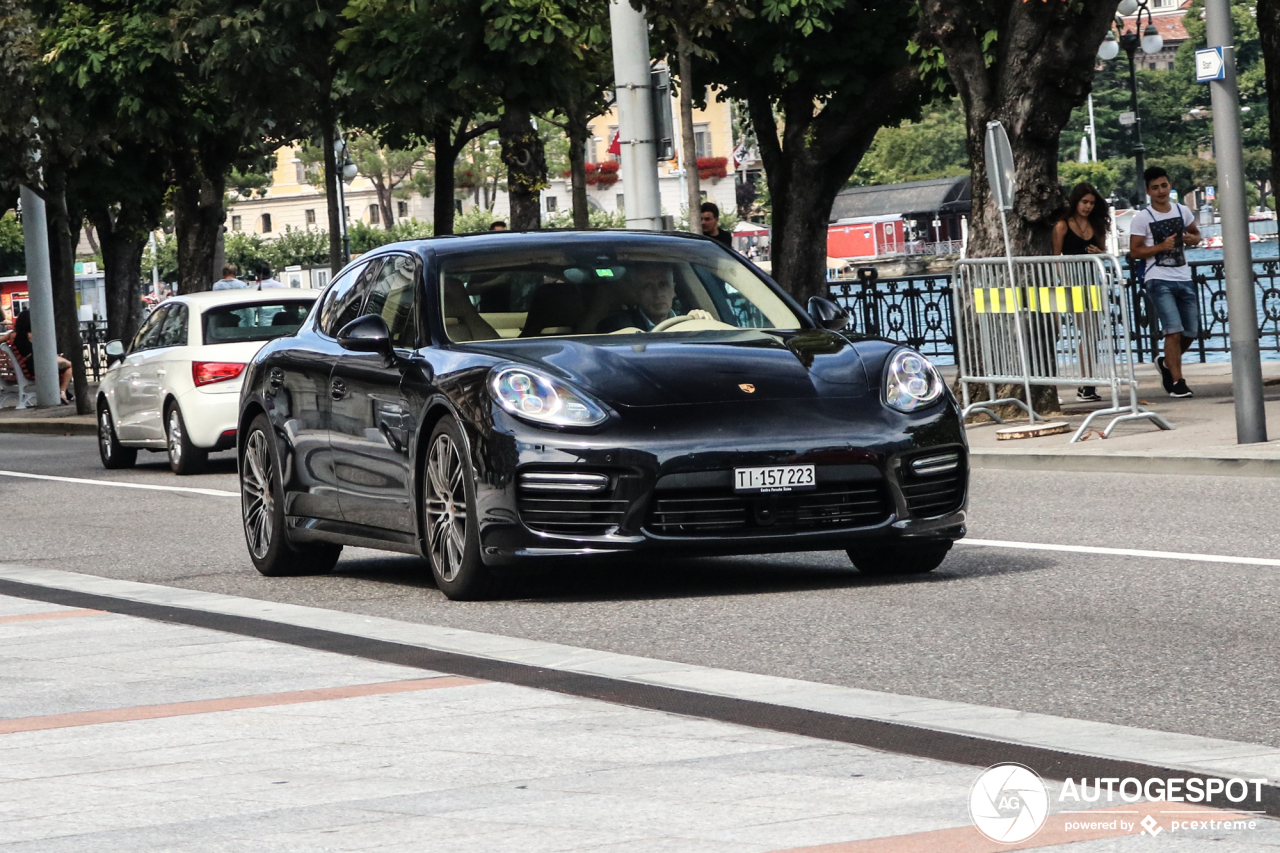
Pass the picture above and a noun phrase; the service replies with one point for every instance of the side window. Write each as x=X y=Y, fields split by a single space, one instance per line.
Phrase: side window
x=173 y=332
x=342 y=300
x=392 y=296
x=150 y=331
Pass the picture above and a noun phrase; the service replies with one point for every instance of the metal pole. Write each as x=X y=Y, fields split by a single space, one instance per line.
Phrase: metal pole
x=342 y=215
x=1093 y=134
x=1139 y=152
x=44 y=338
x=1242 y=312
x=635 y=116
x=155 y=268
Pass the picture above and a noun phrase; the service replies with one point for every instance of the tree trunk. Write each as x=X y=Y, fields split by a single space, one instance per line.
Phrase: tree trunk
x=384 y=201
x=688 y=142
x=526 y=161
x=328 y=138
x=1042 y=69
x=62 y=261
x=811 y=162
x=198 y=215
x=578 y=132
x=1269 y=32
x=446 y=161
x=122 y=248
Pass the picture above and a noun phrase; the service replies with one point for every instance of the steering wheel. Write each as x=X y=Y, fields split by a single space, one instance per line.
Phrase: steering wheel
x=671 y=321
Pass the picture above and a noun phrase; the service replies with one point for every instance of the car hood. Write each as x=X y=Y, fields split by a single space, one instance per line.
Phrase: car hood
x=703 y=367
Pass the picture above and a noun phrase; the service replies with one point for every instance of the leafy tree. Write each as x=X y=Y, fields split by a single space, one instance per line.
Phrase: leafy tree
x=365 y=237
x=816 y=95
x=1028 y=65
x=387 y=168
x=1103 y=175
x=933 y=147
x=689 y=22
x=1268 y=23
x=12 y=259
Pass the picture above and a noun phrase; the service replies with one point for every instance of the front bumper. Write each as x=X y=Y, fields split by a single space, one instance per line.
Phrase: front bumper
x=669 y=481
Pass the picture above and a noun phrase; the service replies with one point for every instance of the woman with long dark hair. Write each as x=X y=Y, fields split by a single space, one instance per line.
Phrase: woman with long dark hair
x=1083 y=231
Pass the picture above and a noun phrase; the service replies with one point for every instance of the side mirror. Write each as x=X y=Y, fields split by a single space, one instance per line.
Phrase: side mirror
x=115 y=352
x=827 y=314
x=366 y=334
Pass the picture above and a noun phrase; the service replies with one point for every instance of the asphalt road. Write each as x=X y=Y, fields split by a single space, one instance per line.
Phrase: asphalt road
x=1184 y=646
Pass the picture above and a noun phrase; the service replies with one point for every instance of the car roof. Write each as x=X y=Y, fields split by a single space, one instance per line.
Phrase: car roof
x=216 y=298
x=492 y=239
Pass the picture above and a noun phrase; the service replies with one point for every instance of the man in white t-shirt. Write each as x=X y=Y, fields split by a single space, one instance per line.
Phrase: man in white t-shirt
x=1159 y=236
x=266 y=281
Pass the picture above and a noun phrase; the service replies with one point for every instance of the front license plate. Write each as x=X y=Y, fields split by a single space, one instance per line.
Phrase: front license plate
x=775 y=478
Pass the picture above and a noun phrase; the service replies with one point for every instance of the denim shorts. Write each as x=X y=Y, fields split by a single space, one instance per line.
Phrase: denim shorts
x=1178 y=305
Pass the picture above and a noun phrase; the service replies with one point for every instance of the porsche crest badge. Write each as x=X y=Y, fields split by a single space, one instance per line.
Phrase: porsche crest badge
x=748 y=387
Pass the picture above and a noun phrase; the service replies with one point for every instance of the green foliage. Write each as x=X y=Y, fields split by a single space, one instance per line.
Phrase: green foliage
x=597 y=219
x=1104 y=175
x=365 y=237
x=247 y=251
x=303 y=246
x=474 y=220
x=933 y=147
x=12 y=258
x=165 y=257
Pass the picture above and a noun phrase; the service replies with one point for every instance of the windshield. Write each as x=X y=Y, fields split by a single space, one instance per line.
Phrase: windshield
x=262 y=321
x=593 y=288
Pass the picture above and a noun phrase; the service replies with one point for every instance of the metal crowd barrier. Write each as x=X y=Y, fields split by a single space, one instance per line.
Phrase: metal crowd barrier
x=1058 y=320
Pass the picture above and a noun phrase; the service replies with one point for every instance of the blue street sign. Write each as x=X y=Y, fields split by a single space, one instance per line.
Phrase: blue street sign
x=1209 y=65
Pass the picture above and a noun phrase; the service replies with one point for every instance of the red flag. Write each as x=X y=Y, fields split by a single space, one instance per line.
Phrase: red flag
x=615 y=147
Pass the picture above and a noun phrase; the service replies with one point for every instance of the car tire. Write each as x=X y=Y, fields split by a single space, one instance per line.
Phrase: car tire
x=184 y=457
x=899 y=556
x=262 y=512
x=114 y=455
x=452 y=537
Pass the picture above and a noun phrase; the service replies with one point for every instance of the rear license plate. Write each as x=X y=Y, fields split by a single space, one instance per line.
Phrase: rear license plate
x=775 y=478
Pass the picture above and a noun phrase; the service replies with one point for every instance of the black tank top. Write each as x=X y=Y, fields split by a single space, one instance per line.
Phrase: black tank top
x=1074 y=244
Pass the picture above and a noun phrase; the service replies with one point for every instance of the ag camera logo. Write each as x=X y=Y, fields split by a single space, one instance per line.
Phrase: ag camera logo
x=1009 y=803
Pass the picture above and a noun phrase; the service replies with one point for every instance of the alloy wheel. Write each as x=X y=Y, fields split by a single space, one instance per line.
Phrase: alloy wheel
x=175 y=437
x=104 y=432
x=257 y=494
x=446 y=507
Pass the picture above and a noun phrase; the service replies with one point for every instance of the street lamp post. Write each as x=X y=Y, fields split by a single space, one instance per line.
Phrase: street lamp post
x=347 y=172
x=1151 y=42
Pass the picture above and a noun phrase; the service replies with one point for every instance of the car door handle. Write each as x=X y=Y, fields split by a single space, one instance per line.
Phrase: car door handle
x=161 y=372
x=337 y=389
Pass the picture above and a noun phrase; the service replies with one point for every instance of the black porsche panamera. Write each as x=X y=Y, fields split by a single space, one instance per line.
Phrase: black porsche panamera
x=492 y=400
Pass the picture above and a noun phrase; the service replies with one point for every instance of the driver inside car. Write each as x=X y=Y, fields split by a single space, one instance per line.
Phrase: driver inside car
x=643 y=302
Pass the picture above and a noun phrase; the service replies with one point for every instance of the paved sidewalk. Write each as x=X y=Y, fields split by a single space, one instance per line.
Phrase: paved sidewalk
x=54 y=420
x=1202 y=442
x=119 y=733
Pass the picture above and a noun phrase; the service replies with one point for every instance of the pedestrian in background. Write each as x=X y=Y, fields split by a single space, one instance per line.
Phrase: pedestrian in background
x=1160 y=236
x=710 y=213
x=1083 y=231
x=229 y=280
x=22 y=347
x=266 y=281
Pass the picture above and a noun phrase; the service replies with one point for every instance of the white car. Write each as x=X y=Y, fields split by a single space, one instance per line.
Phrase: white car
x=177 y=388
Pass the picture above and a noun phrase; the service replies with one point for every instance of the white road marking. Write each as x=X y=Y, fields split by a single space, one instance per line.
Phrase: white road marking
x=217 y=493
x=1122 y=552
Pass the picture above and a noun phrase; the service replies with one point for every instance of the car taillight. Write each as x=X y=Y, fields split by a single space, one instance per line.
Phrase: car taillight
x=207 y=372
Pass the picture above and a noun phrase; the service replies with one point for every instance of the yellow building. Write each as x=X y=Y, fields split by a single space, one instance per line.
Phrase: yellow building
x=292 y=201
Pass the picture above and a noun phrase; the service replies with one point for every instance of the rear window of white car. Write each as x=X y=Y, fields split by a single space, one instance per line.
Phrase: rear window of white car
x=260 y=321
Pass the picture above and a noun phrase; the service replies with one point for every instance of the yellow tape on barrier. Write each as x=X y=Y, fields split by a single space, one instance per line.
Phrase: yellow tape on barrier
x=980 y=300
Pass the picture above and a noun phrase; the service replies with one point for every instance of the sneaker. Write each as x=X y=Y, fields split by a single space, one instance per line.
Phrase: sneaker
x=1166 y=375
x=1180 y=389
x=1087 y=394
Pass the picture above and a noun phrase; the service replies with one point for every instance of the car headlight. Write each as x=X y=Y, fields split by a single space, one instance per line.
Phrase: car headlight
x=534 y=396
x=911 y=381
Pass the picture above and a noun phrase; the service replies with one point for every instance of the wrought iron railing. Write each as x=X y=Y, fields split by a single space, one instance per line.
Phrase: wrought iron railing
x=93 y=341
x=917 y=310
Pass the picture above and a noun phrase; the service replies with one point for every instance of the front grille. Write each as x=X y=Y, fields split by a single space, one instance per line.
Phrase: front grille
x=930 y=496
x=571 y=515
x=712 y=511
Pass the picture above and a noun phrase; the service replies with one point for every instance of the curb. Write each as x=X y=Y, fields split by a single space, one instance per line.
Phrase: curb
x=48 y=426
x=1213 y=466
